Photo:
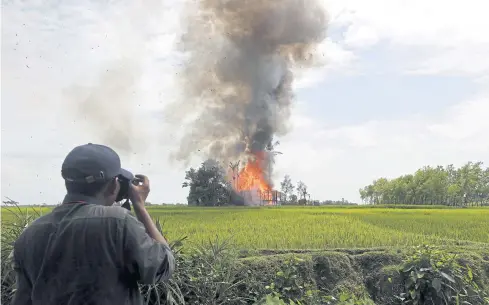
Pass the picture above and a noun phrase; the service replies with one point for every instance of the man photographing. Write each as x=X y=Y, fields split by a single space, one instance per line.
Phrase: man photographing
x=86 y=251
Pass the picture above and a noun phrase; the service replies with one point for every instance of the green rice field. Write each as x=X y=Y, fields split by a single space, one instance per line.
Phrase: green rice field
x=322 y=227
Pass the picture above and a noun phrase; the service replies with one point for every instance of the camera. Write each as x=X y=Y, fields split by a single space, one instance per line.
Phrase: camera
x=124 y=191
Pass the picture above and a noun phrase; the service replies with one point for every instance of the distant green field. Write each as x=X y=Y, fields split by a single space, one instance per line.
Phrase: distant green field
x=322 y=227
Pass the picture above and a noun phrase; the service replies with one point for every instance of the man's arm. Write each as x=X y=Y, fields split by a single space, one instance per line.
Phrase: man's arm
x=137 y=194
x=149 y=258
x=144 y=217
x=22 y=295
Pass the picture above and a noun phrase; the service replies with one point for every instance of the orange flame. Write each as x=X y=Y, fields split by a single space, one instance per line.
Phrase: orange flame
x=252 y=175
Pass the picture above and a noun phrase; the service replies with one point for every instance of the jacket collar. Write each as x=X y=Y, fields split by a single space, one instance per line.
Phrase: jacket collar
x=80 y=198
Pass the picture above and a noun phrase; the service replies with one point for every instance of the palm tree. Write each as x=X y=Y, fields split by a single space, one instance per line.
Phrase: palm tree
x=271 y=150
x=235 y=168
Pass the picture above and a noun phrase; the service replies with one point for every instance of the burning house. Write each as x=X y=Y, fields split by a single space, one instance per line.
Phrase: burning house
x=266 y=198
x=236 y=83
x=251 y=182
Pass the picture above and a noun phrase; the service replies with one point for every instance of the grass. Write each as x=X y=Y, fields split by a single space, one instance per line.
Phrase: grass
x=217 y=273
x=323 y=227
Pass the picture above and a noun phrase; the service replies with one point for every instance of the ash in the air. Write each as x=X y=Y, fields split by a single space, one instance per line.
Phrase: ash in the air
x=237 y=78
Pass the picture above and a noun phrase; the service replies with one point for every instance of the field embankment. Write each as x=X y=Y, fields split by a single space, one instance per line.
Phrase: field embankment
x=366 y=274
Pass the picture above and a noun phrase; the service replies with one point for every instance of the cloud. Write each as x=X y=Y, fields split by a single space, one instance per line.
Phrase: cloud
x=360 y=36
x=443 y=36
x=465 y=122
x=336 y=60
x=430 y=37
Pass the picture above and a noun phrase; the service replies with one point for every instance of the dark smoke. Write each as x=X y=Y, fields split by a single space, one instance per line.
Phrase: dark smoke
x=237 y=77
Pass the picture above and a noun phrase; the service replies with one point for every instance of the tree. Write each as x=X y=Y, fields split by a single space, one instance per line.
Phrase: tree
x=208 y=185
x=286 y=187
x=272 y=153
x=235 y=170
x=302 y=191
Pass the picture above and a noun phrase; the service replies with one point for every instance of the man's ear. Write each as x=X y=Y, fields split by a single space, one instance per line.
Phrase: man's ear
x=112 y=188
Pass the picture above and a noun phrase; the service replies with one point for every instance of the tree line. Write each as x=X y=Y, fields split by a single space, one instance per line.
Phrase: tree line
x=464 y=186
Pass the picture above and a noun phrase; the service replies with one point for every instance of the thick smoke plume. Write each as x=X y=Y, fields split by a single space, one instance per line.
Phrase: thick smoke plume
x=237 y=77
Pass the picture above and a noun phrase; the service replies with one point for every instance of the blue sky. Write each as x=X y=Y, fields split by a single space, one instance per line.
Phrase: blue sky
x=359 y=98
x=405 y=84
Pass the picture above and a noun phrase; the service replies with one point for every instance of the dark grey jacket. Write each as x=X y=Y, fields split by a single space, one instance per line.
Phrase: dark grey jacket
x=83 y=253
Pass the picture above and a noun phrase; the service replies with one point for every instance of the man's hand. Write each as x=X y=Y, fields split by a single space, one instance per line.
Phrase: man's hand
x=138 y=193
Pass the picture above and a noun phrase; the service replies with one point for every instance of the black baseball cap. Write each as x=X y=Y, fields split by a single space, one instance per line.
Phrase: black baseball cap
x=92 y=163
